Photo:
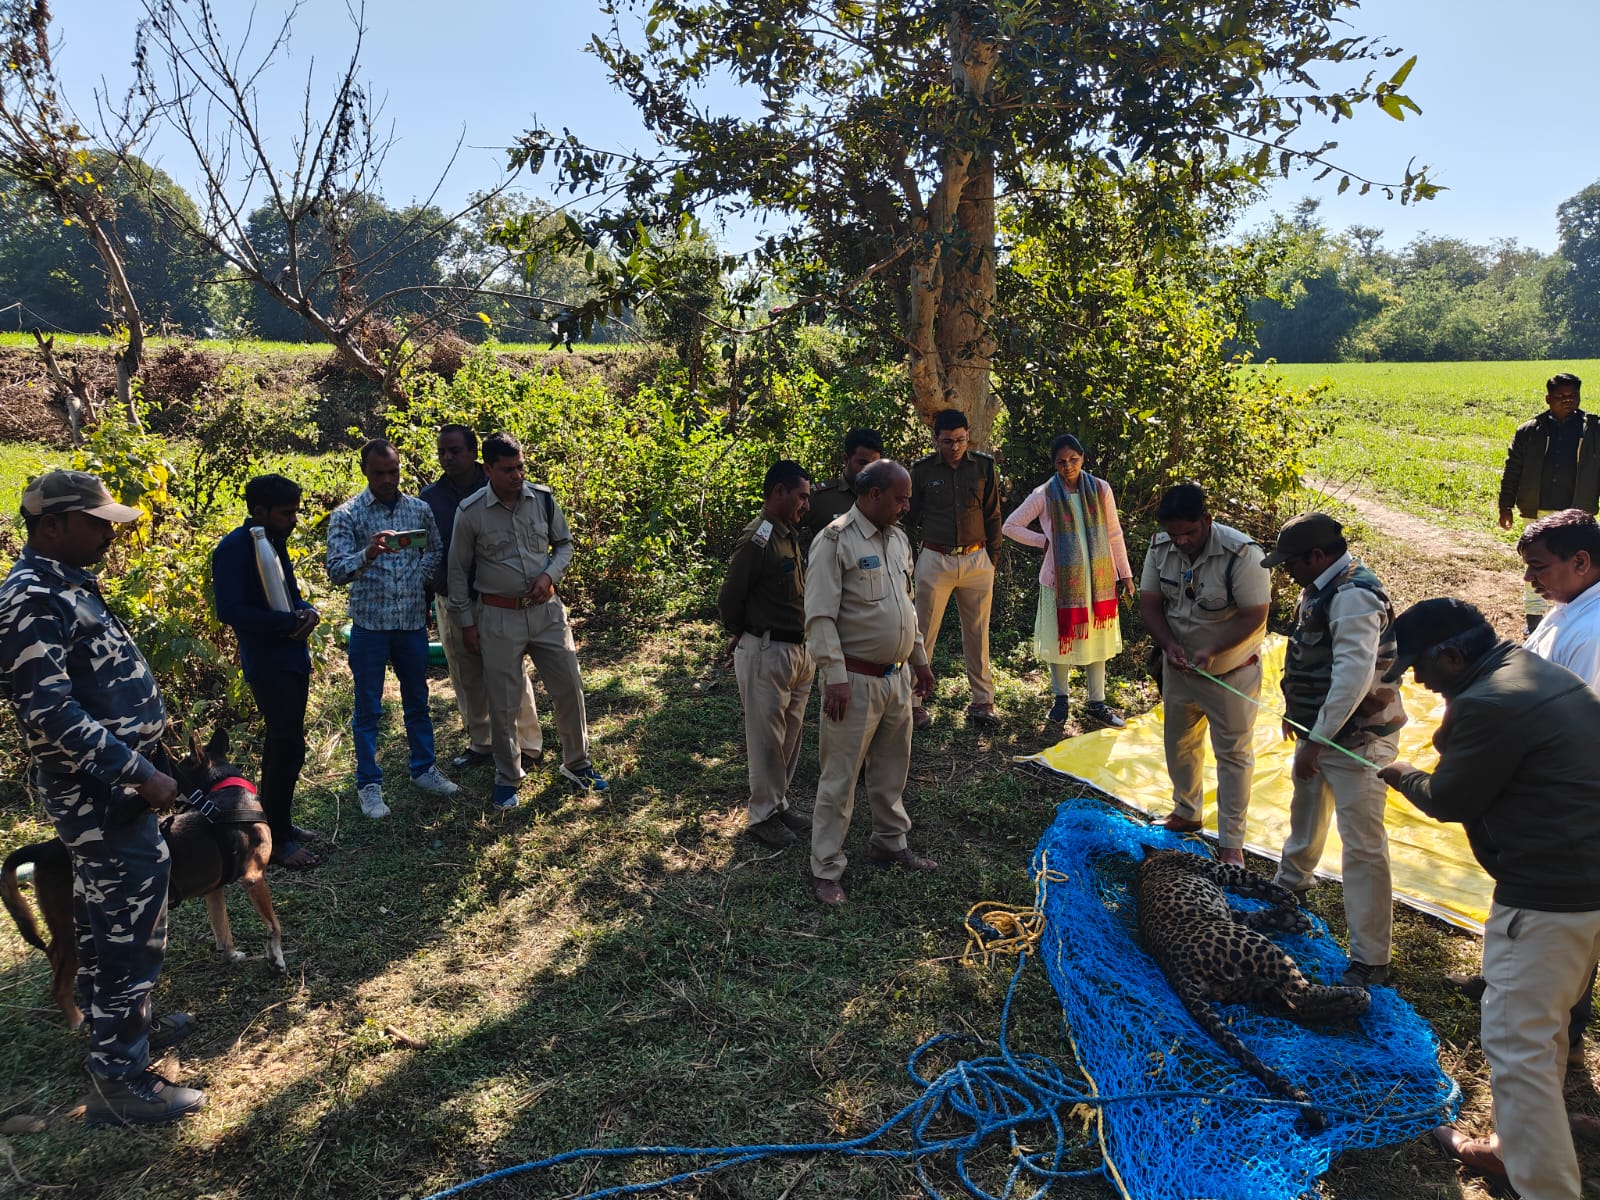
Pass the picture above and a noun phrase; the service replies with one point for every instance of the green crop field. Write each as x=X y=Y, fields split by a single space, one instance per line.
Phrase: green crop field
x=1429 y=437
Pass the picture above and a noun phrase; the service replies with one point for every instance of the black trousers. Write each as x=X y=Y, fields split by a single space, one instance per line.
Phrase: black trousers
x=281 y=697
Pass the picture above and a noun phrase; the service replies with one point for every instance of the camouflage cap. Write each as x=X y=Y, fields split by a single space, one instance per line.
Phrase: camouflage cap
x=74 y=491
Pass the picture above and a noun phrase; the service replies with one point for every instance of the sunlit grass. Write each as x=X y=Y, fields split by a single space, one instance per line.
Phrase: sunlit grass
x=1432 y=436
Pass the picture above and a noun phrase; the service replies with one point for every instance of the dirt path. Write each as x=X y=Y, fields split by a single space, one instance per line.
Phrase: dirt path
x=1418 y=559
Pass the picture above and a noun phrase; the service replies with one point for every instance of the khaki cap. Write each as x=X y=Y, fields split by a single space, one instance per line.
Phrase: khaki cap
x=1308 y=531
x=75 y=491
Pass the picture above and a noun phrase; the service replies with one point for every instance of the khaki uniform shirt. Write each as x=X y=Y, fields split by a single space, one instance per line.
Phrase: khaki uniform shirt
x=765 y=588
x=859 y=597
x=1194 y=595
x=956 y=506
x=507 y=547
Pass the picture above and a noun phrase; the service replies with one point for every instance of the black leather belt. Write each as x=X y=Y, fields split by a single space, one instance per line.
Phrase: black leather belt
x=779 y=635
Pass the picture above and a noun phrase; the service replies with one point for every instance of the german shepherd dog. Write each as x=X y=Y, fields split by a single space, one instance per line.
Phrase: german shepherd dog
x=218 y=836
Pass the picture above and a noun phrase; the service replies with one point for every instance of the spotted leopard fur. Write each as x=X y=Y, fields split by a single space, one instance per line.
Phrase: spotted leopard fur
x=1211 y=952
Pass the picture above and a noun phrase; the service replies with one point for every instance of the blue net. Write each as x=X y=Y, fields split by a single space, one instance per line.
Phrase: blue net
x=1189 y=1120
x=1175 y=1115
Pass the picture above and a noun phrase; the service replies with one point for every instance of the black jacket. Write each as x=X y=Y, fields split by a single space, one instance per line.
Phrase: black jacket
x=1519 y=482
x=1518 y=768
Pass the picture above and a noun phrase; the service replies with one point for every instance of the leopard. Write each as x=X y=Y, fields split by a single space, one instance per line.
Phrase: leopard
x=1212 y=953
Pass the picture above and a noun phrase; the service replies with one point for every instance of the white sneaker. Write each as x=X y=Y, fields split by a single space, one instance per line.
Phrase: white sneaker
x=372 y=803
x=434 y=784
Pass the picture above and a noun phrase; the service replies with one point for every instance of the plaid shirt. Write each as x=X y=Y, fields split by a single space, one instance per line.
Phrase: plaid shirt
x=387 y=592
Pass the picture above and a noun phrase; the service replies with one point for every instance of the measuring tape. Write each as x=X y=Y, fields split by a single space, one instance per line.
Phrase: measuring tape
x=1315 y=737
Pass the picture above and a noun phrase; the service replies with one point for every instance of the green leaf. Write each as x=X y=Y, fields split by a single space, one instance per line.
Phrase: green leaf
x=1399 y=77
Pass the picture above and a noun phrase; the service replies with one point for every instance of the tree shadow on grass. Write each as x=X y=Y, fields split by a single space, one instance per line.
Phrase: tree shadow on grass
x=591 y=972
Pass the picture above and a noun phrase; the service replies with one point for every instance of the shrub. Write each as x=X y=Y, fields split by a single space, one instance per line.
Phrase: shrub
x=656 y=484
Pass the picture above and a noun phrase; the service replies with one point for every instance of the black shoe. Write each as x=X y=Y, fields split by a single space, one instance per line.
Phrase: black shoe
x=532 y=758
x=1101 y=713
x=1359 y=974
x=470 y=758
x=167 y=1031
x=142 y=1099
x=1059 y=711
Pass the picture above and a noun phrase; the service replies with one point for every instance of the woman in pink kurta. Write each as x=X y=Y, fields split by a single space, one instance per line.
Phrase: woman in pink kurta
x=1085 y=571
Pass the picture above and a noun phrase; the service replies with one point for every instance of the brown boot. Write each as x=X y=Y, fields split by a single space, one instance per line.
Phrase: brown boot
x=772 y=832
x=794 y=820
x=905 y=859
x=827 y=892
x=1477 y=1153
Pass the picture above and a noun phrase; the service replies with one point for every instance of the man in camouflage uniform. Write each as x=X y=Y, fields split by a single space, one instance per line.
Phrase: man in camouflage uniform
x=763 y=605
x=831 y=500
x=1333 y=685
x=955 y=514
x=861 y=629
x=92 y=719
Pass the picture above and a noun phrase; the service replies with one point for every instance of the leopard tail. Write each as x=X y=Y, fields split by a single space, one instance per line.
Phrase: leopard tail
x=1199 y=1007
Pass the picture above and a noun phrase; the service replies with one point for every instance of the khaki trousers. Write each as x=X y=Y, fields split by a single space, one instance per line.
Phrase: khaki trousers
x=774 y=685
x=1535 y=963
x=1356 y=797
x=472 y=699
x=971 y=578
x=542 y=634
x=877 y=730
x=1190 y=705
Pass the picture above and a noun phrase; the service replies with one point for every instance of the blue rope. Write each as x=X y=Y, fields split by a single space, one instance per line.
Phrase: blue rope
x=993 y=1094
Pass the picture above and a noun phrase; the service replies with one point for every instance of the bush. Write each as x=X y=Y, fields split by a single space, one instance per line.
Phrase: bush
x=657 y=484
x=157 y=576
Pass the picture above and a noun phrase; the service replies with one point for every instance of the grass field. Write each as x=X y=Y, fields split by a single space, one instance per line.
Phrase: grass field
x=1431 y=436
x=469 y=989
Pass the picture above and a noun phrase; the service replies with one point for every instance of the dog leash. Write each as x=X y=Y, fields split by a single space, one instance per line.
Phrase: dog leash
x=1267 y=708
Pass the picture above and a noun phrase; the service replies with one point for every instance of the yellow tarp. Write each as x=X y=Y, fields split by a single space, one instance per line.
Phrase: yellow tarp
x=1434 y=870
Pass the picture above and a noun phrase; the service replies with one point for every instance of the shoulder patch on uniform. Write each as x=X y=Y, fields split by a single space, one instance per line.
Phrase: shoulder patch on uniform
x=981 y=454
x=541 y=487
x=831 y=531
x=763 y=533
x=1161 y=539
x=927 y=458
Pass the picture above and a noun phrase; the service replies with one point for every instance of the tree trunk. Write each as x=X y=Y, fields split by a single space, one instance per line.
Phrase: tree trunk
x=953 y=265
x=966 y=304
x=130 y=358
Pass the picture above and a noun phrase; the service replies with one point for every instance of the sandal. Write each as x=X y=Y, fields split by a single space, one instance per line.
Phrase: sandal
x=292 y=856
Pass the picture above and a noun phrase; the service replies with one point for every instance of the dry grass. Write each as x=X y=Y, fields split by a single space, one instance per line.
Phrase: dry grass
x=468 y=990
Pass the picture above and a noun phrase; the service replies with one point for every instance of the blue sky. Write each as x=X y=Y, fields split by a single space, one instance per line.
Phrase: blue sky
x=1508 y=124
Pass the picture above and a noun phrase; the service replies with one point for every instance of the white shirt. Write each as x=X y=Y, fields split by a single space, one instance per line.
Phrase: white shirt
x=1569 y=636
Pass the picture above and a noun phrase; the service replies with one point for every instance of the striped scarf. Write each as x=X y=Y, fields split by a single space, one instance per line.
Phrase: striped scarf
x=1077 y=580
